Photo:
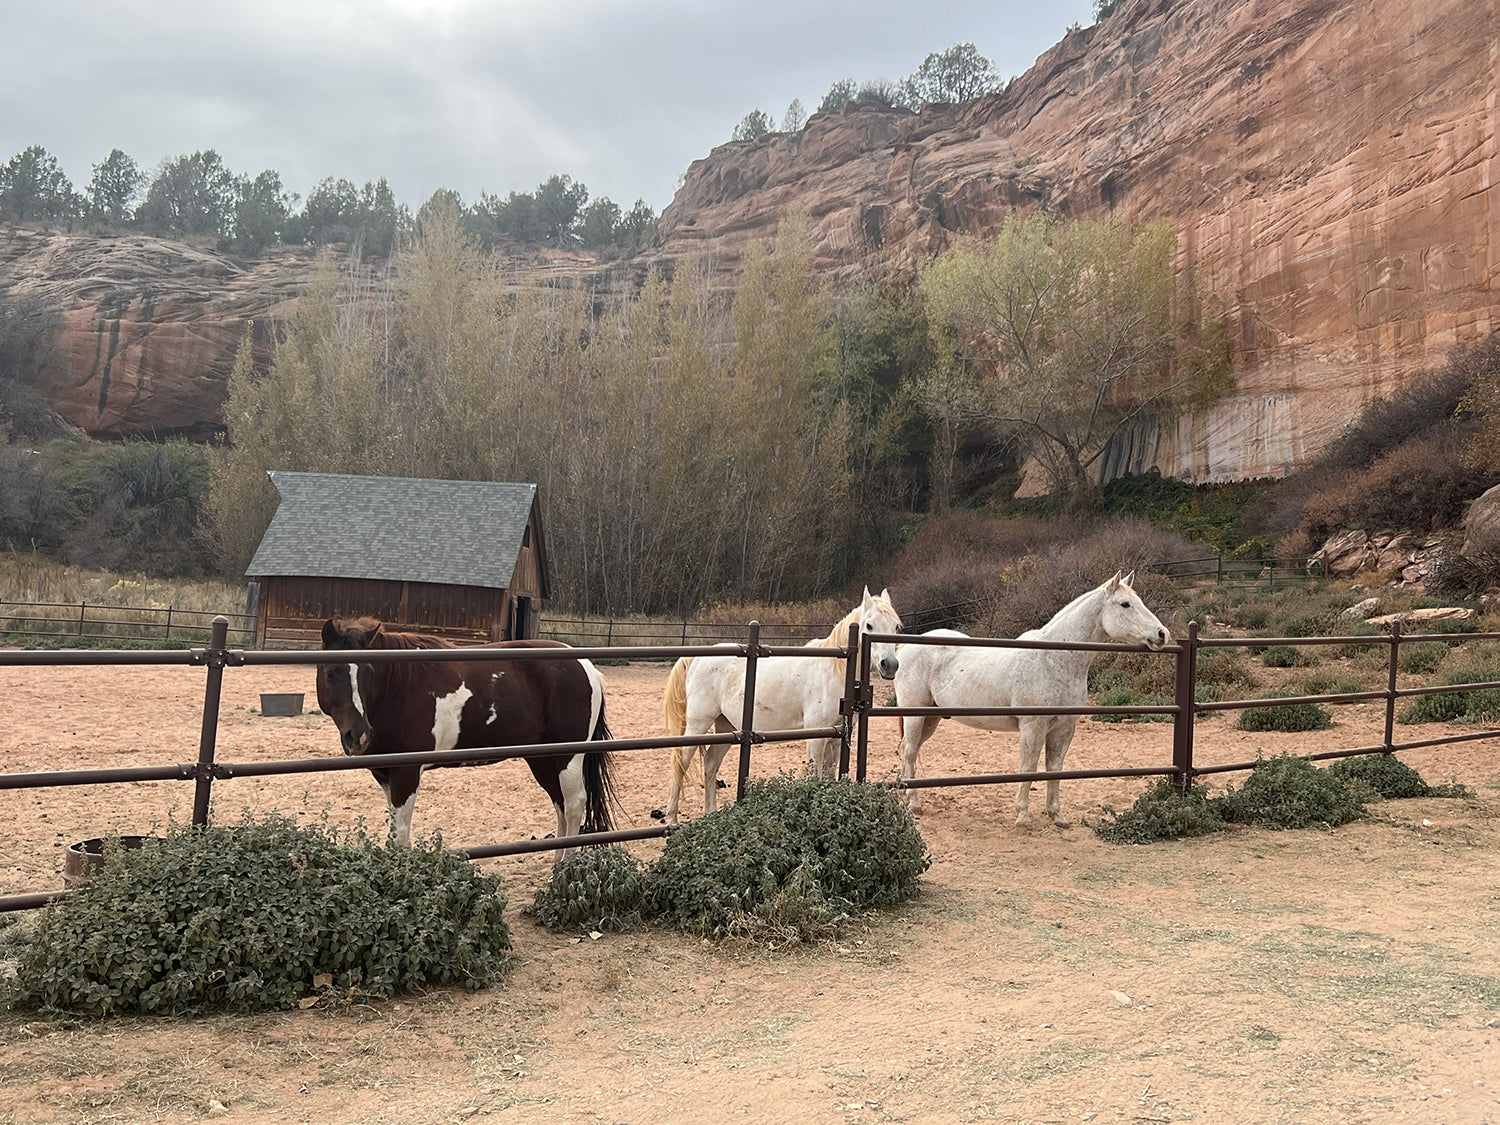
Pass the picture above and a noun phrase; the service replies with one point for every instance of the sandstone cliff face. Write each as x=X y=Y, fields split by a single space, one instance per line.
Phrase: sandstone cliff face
x=1329 y=164
x=149 y=328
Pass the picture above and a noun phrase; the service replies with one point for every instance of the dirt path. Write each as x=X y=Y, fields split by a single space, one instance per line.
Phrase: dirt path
x=1304 y=976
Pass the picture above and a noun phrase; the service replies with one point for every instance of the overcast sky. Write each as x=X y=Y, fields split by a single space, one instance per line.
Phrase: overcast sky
x=474 y=95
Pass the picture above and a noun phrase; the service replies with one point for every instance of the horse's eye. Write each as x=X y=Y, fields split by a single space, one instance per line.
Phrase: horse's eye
x=1124 y=605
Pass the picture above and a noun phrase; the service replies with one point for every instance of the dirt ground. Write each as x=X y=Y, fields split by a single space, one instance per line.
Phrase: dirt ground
x=1040 y=976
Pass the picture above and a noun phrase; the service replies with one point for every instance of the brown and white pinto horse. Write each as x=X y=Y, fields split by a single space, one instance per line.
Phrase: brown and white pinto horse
x=392 y=708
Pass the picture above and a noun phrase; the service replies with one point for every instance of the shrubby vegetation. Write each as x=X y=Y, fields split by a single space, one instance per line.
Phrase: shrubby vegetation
x=261 y=915
x=599 y=889
x=1410 y=461
x=792 y=859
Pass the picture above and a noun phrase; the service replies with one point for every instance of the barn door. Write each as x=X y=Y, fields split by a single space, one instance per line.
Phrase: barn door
x=523 y=620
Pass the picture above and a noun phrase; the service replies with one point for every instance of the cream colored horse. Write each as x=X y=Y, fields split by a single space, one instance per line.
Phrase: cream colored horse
x=943 y=676
x=791 y=693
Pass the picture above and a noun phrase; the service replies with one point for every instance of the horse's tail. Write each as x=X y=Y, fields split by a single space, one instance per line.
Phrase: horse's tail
x=674 y=712
x=599 y=781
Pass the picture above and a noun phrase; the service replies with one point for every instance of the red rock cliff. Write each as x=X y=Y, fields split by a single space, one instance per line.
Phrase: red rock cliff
x=1329 y=165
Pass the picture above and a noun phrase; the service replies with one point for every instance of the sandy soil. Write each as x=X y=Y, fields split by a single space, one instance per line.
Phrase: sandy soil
x=1041 y=975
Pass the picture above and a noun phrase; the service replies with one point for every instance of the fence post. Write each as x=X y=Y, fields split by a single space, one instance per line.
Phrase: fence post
x=168 y=637
x=851 y=698
x=82 y=606
x=862 y=709
x=215 y=657
x=684 y=632
x=1183 y=696
x=1390 y=687
x=747 y=716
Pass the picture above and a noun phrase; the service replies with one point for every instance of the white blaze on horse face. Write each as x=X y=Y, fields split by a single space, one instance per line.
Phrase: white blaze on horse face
x=359 y=704
x=447 y=714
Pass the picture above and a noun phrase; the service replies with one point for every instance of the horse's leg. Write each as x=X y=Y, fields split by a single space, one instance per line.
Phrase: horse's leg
x=712 y=757
x=682 y=757
x=1033 y=737
x=1059 y=738
x=820 y=757
x=914 y=732
x=400 y=787
x=571 y=811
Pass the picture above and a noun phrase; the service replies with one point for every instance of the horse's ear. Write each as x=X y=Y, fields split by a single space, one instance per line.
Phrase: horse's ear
x=867 y=596
x=331 y=634
x=1126 y=580
x=885 y=595
x=1114 y=583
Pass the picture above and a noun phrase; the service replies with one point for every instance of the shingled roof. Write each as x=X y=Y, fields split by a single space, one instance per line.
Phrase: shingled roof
x=455 y=532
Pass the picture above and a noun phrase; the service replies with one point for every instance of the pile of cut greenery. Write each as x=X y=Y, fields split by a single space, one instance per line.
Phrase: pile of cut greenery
x=264 y=914
x=790 y=862
x=1281 y=792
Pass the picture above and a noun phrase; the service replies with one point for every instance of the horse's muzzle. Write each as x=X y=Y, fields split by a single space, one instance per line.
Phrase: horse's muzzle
x=1163 y=639
x=888 y=666
x=355 y=742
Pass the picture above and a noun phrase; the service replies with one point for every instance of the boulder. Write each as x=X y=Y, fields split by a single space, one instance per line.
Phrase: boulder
x=1420 y=616
x=1360 y=611
x=1482 y=524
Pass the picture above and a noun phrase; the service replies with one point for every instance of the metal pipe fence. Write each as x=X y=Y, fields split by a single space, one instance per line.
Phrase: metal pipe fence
x=218 y=656
x=84 y=620
x=856 y=709
x=1184 y=707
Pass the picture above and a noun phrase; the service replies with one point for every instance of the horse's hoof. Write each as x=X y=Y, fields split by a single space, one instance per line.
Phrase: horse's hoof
x=1023 y=821
x=1061 y=822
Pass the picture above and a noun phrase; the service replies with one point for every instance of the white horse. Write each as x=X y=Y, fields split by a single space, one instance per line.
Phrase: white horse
x=943 y=676
x=791 y=693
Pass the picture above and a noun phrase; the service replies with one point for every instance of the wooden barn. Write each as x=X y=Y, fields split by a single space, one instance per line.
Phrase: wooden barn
x=461 y=559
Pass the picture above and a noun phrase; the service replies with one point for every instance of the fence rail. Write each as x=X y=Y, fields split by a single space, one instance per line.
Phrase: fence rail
x=100 y=621
x=856 y=709
x=1243 y=573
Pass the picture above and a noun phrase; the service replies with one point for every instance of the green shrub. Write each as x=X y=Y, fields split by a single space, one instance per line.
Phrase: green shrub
x=1251 y=615
x=1160 y=814
x=1124 y=697
x=1288 y=717
x=1315 y=624
x=1320 y=683
x=1450 y=626
x=793 y=859
x=600 y=888
x=1481 y=706
x=1288 y=792
x=250 y=916
x=1284 y=656
x=1222 y=668
x=1421 y=658
x=1390 y=777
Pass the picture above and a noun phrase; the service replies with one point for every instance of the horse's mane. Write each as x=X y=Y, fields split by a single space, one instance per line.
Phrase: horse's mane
x=396 y=674
x=840 y=632
x=387 y=639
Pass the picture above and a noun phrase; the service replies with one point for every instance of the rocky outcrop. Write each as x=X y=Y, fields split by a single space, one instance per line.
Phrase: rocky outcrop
x=1387 y=556
x=1329 y=164
x=149 y=328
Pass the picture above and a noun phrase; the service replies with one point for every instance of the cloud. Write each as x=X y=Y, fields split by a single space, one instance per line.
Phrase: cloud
x=473 y=95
